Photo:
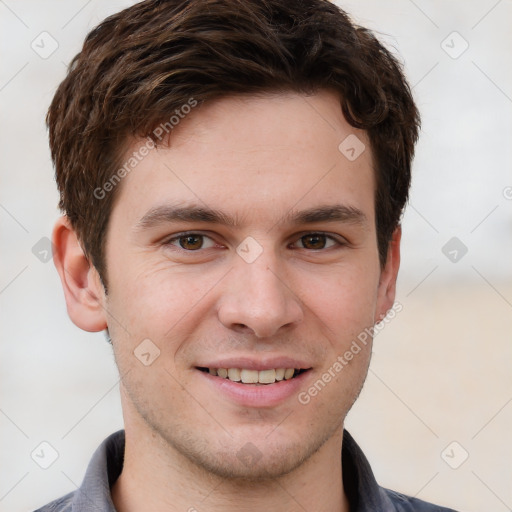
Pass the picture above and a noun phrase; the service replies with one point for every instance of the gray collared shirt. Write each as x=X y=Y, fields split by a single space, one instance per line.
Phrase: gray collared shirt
x=363 y=492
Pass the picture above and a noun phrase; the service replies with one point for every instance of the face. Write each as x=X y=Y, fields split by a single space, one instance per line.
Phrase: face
x=245 y=247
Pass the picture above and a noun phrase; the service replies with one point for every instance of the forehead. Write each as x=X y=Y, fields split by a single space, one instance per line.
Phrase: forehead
x=255 y=157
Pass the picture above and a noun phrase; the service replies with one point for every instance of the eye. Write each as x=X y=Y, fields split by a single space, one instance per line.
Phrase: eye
x=191 y=241
x=317 y=241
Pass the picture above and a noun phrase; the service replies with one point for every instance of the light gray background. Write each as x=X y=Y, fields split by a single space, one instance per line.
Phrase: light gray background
x=441 y=369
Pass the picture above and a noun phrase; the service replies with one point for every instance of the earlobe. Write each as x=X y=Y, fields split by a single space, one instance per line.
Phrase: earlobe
x=82 y=286
x=387 y=283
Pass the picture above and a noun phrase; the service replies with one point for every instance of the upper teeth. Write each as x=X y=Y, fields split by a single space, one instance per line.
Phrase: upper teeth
x=253 y=376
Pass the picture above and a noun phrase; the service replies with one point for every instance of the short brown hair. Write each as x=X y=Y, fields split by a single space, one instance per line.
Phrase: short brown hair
x=142 y=64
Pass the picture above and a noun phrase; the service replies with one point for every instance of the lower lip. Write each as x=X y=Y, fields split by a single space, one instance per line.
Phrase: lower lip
x=252 y=395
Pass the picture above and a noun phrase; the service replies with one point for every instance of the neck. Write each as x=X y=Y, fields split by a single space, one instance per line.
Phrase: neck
x=156 y=477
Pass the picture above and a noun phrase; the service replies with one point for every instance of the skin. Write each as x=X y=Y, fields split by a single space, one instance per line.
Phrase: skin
x=258 y=160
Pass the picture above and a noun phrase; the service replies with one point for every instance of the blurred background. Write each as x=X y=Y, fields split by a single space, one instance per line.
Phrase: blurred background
x=435 y=416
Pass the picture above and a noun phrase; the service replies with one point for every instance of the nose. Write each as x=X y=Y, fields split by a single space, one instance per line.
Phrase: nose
x=257 y=300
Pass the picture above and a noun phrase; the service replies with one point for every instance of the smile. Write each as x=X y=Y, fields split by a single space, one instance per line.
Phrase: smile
x=248 y=376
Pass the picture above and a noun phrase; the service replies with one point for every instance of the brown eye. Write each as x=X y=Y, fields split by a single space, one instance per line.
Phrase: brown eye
x=314 y=241
x=191 y=242
x=317 y=242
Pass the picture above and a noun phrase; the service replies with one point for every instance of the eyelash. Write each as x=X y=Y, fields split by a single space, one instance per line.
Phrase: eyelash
x=337 y=242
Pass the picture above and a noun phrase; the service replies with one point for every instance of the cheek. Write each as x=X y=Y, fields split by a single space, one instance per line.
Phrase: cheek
x=159 y=302
x=344 y=298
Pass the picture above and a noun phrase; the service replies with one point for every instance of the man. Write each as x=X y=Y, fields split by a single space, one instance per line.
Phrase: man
x=232 y=175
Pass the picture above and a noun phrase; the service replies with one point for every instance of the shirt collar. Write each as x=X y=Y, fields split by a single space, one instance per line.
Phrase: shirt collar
x=363 y=492
x=103 y=470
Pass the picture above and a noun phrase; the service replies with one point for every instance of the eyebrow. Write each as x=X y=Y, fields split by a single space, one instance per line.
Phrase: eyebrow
x=195 y=213
x=327 y=213
x=167 y=213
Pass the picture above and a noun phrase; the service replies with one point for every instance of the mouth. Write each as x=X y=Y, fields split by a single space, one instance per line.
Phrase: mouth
x=254 y=377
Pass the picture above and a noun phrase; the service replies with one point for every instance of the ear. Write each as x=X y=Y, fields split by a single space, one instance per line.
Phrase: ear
x=387 y=283
x=83 y=290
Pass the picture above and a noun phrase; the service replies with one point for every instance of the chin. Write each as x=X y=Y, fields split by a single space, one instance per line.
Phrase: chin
x=250 y=464
x=244 y=458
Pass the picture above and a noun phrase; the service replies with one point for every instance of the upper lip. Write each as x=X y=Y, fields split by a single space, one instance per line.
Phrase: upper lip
x=250 y=363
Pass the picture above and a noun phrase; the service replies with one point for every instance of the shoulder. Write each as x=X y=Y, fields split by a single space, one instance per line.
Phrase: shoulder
x=94 y=493
x=63 y=504
x=405 y=503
